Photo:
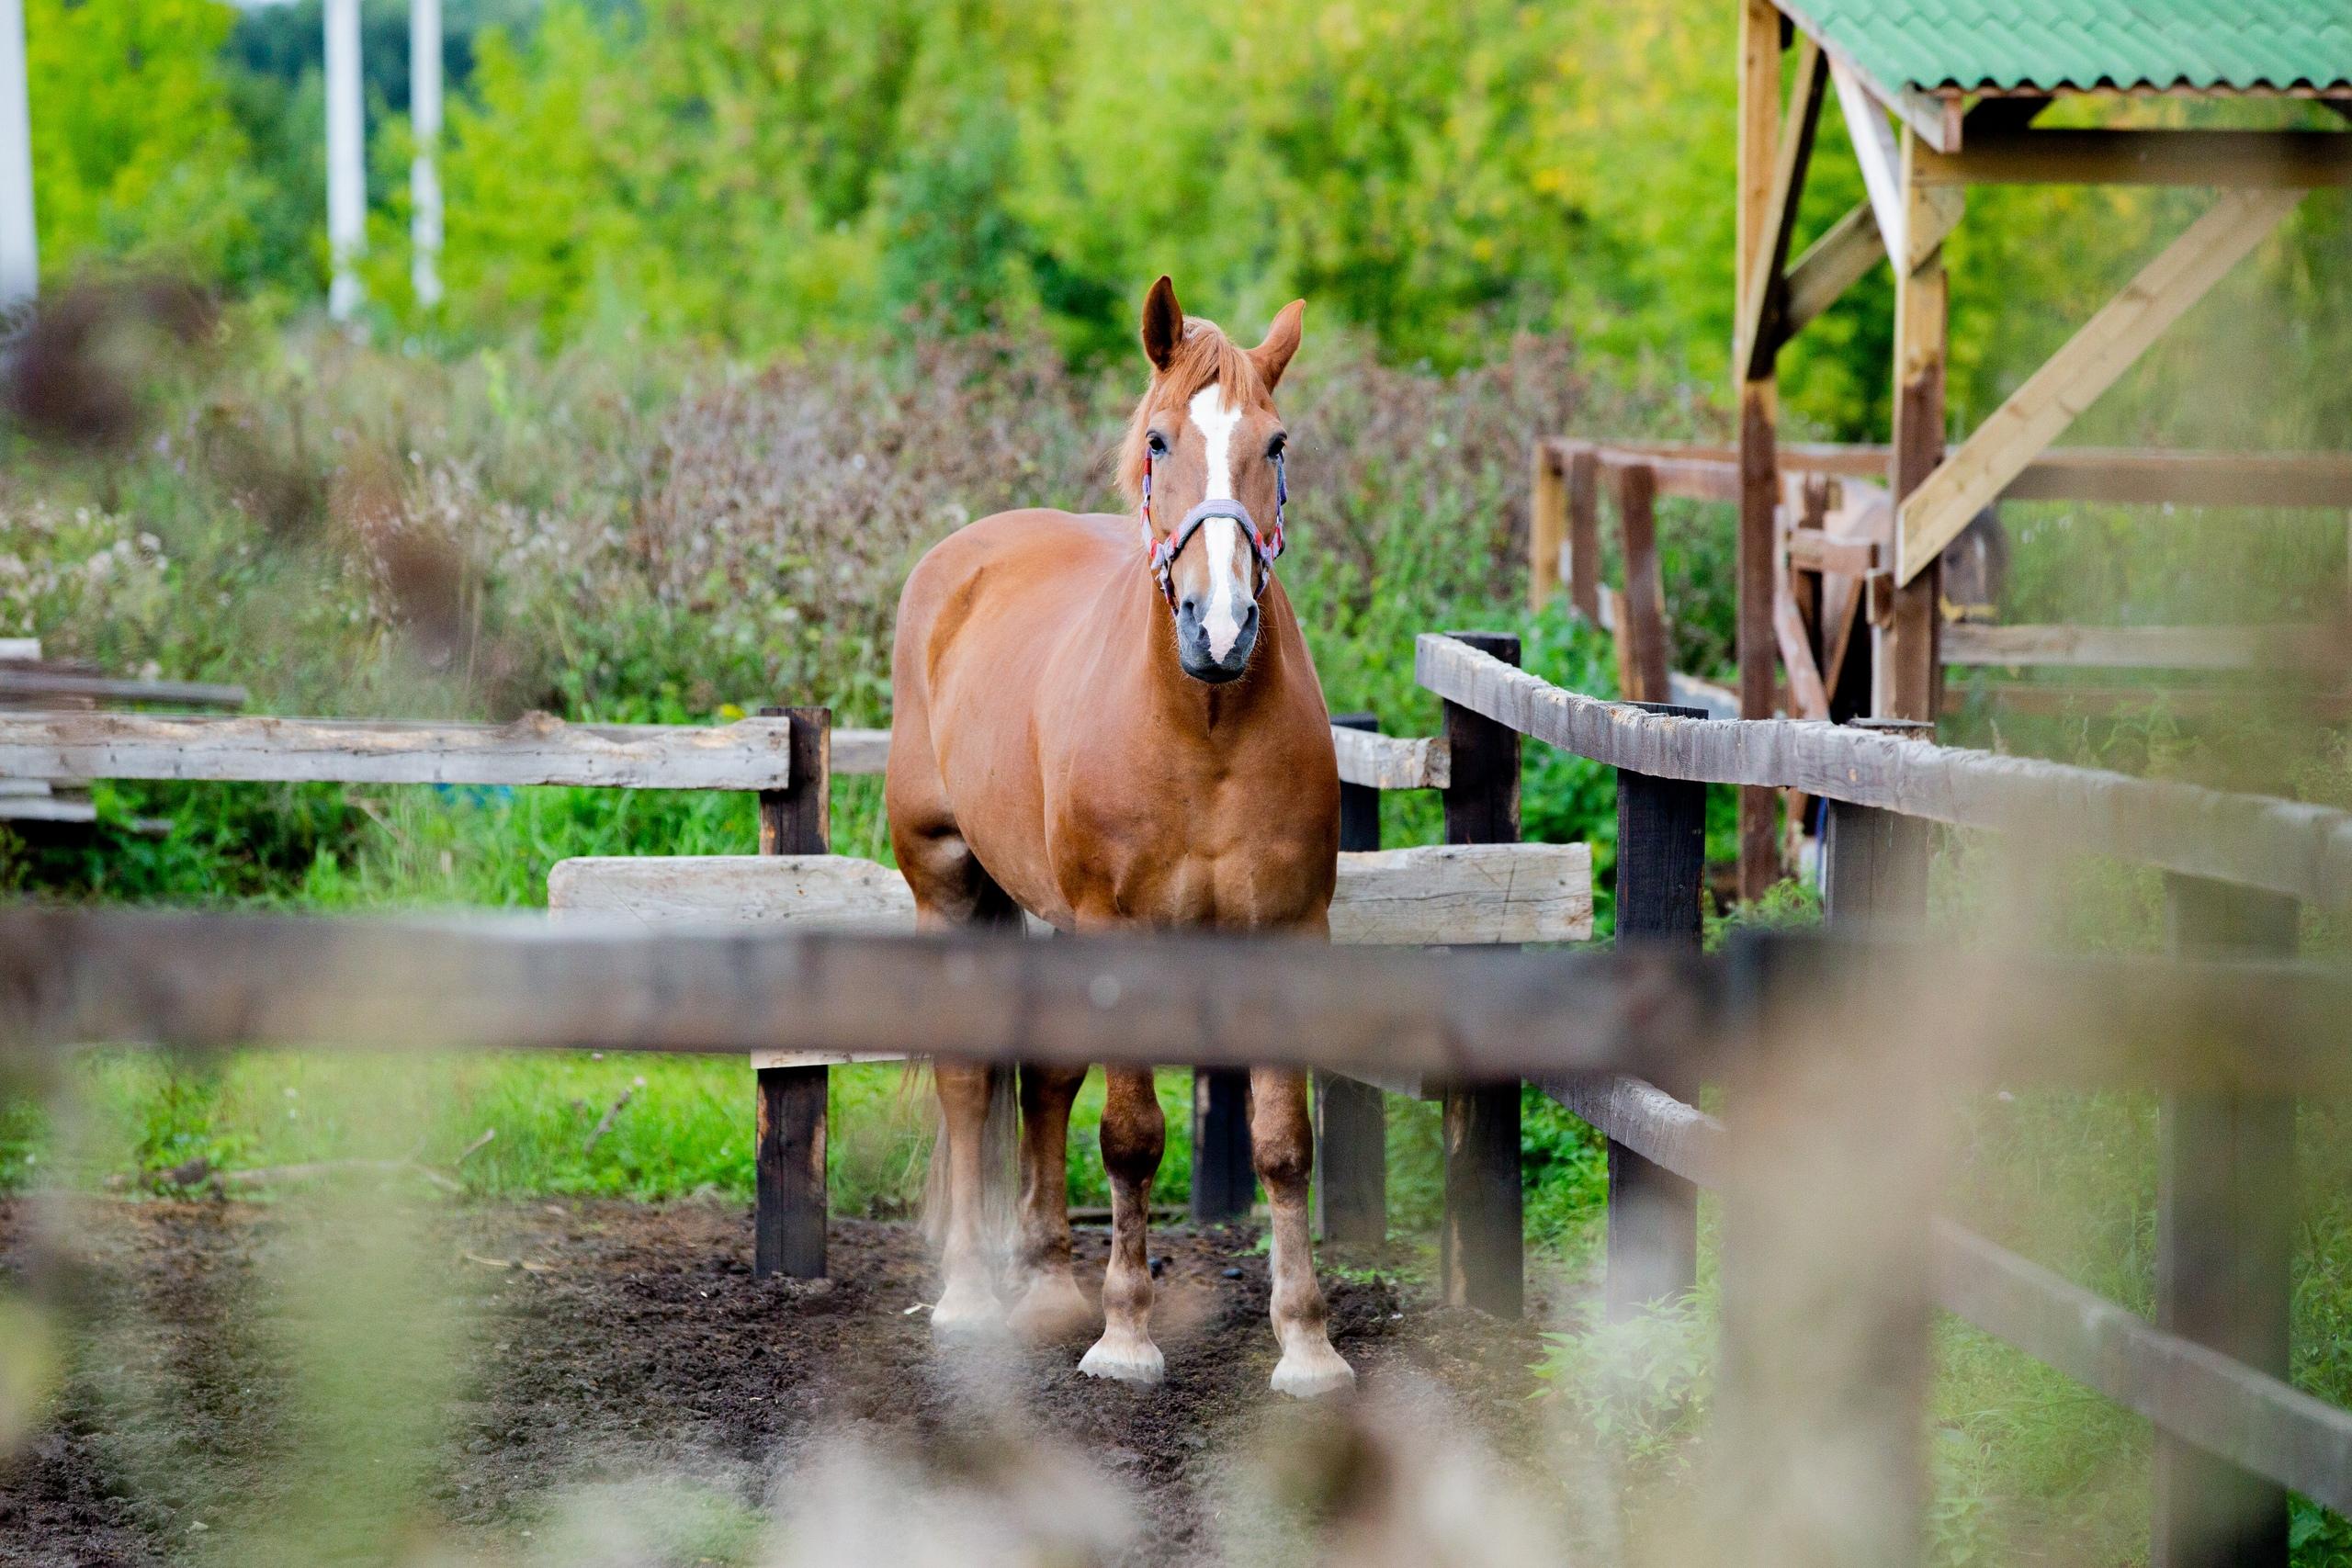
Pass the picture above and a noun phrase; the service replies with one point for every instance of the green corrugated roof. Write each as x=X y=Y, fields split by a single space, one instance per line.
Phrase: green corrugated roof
x=2087 y=44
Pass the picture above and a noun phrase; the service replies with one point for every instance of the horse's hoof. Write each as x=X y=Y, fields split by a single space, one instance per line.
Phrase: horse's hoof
x=966 y=1311
x=1312 y=1371
x=1124 y=1357
x=1050 y=1308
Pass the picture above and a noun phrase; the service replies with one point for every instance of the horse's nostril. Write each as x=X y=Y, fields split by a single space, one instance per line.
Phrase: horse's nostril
x=1190 y=607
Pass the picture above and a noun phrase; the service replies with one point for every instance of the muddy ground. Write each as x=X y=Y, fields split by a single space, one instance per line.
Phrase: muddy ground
x=601 y=1341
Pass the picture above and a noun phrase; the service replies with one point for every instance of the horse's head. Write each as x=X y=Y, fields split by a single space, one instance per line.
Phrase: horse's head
x=1203 y=461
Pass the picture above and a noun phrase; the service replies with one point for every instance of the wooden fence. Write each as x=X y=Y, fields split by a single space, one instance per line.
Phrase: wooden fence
x=2232 y=1436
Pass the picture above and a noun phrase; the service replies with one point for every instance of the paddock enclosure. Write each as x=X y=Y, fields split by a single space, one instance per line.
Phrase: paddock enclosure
x=1828 y=1213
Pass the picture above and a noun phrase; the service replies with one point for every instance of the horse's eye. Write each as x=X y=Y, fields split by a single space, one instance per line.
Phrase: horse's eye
x=1274 y=447
x=1158 y=443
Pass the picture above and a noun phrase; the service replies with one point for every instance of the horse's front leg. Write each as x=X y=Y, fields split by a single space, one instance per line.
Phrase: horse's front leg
x=1048 y=1305
x=1282 y=1145
x=1134 y=1135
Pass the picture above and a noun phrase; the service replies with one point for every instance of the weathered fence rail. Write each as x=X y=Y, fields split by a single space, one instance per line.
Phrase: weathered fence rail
x=2232 y=1435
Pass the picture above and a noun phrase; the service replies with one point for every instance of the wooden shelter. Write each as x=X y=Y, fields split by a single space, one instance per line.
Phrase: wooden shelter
x=1937 y=98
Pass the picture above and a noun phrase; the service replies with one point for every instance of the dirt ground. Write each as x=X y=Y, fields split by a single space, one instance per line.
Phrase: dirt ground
x=610 y=1339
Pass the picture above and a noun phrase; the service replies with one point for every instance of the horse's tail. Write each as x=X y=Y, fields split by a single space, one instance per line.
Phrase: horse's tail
x=999 y=1170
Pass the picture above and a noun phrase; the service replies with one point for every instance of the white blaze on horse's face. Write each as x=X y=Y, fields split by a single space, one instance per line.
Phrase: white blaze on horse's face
x=1232 y=568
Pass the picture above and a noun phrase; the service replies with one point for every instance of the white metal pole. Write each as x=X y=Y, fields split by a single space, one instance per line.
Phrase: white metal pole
x=19 y=252
x=424 y=173
x=346 y=157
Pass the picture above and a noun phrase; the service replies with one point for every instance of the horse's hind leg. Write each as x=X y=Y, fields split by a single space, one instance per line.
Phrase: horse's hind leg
x=1281 y=1144
x=1049 y=1305
x=1134 y=1135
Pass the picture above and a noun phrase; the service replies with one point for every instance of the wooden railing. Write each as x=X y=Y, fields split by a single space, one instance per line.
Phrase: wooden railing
x=2210 y=1372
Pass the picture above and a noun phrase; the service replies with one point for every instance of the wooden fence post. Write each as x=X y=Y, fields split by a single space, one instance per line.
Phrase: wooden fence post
x=1224 y=1182
x=1479 y=1244
x=788 y=1210
x=1874 y=862
x=1642 y=658
x=1352 y=1116
x=2225 y=1240
x=1547 y=524
x=1582 y=482
x=1661 y=869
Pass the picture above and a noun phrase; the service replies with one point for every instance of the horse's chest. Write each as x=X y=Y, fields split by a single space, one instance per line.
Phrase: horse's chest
x=1200 y=852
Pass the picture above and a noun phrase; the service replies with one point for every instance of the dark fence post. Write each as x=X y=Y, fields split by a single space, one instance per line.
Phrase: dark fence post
x=789 y=1159
x=1224 y=1182
x=1350 y=1116
x=2225 y=1239
x=1479 y=1247
x=1661 y=871
x=1874 y=862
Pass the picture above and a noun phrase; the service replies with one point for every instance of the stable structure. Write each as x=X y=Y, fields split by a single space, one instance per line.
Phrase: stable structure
x=1937 y=99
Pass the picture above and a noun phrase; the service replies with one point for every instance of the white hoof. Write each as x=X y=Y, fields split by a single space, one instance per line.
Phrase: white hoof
x=1051 y=1307
x=1310 y=1372
x=1125 y=1357
x=968 y=1308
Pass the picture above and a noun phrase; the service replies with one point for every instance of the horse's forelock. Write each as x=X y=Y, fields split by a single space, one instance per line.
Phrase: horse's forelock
x=1204 y=358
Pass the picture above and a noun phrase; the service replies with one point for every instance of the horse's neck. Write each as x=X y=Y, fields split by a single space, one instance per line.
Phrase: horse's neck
x=1148 y=682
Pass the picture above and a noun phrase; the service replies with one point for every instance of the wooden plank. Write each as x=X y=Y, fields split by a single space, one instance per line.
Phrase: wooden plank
x=27 y=685
x=1456 y=894
x=2236 y=160
x=2146 y=647
x=1906 y=680
x=1582 y=482
x=1383 y=761
x=750 y=754
x=15 y=649
x=1817 y=550
x=2224 y=1407
x=2226 y=1226
x=1653 y=1244
x=1761 y=326
x=2286 y=846
x=1756 y=642
x=1934 y=117
x=1842 y=258
x=1974 y=476
x=1758 y=138
x=1481 y=1262
x=1225 y=1181
x=1878 y=153
x=1687 y=478
x=1547 y=524
x=65 y=810
x=1807 y=695
x=1642 y=658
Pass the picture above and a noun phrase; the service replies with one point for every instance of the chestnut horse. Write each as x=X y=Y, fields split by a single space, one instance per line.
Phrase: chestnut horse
x=1107 y=731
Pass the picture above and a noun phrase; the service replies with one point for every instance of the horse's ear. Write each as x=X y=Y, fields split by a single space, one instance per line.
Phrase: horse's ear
x=1163 y=323
x=1272 y=356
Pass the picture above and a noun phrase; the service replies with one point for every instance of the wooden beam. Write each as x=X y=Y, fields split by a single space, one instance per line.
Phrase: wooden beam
x=1905 y=679
x=2283 y=845
x=1842 y=258
x=33 y=685
x=1876 y=151
x=1424 y=896
x=1816 y=549
x=2146 y=647
x=1547 y=524
x=1934 y=117
x=750 y=754
x=1696 y=478
x=1642 y=658
x=2034 y=415
x=2236 y=159
x=1582 y=559
x=1763 y=293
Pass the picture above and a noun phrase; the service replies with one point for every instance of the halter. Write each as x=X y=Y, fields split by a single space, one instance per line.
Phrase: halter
x=1160 y=555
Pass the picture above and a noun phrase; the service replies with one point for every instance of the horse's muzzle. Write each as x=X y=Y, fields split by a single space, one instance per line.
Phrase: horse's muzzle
x=1192 y=645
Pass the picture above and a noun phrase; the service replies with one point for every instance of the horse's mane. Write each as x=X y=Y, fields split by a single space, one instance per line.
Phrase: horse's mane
x=1204 y=358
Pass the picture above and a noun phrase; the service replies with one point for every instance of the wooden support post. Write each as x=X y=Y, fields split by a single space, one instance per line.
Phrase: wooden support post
x=346 y=158
x=788 y=1160
x=1758 y=233
x=1352 y=1116
x=19 y=248
x=2225 y=1240
x=1224 y=1183
x=1827 y=1301
x=1479 y=1244
x=1906 y=673
x=424 y=167
x=1661 y=868
x=1582 y=483
x=1547 y=524
x=1643 y=660
x=1873 y=861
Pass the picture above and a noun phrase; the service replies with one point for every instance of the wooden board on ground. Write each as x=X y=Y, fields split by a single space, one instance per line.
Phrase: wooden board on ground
x=1452 y=895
